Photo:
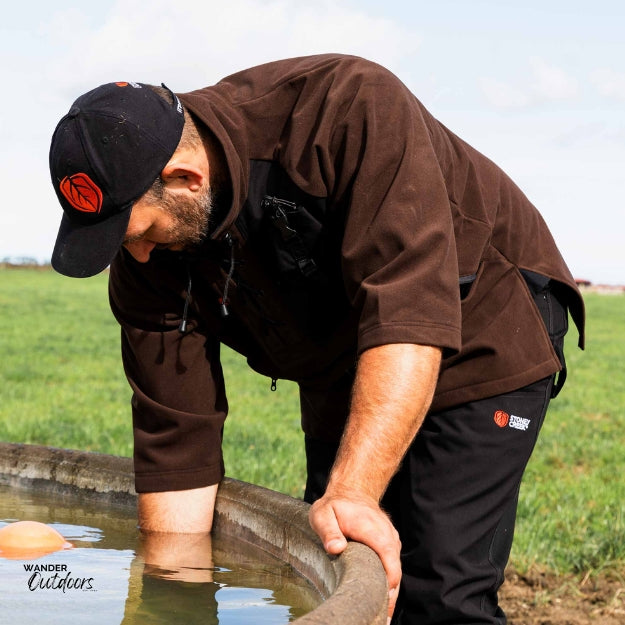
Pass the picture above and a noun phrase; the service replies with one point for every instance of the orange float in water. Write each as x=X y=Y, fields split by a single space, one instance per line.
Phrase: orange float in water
x=29 y=539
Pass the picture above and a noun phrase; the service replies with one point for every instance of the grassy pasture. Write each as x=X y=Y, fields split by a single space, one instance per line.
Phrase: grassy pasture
x=61 y=384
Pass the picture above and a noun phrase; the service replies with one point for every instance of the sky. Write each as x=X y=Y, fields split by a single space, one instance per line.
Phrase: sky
x=538 y=86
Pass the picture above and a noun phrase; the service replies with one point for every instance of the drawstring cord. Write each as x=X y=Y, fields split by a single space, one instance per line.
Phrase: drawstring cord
x=223 y=301
x=182 y=328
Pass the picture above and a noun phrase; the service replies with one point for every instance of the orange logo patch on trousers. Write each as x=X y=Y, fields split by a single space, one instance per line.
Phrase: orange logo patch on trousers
x=501 y=418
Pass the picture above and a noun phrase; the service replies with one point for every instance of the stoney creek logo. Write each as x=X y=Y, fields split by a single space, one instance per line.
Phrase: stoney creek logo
x=56 y=577
x=503 y=419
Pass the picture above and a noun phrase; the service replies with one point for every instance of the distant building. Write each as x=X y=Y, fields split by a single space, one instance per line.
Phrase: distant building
x=586 y=286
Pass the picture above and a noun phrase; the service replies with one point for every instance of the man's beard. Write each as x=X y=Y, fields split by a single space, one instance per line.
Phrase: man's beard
x=190 y=217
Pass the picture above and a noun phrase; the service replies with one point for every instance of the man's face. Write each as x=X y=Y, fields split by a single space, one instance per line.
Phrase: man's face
x=177 y=221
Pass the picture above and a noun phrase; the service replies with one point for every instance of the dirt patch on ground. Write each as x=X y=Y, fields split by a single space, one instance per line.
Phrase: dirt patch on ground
x=541 y=598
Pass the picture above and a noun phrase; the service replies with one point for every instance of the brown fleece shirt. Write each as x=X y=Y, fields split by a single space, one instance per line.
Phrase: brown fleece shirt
x=392 y=213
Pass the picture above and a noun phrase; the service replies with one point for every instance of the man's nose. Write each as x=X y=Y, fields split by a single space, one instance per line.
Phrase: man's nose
x=140 y=250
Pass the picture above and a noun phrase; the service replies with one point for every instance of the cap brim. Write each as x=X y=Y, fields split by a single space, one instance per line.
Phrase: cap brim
x=82 y=251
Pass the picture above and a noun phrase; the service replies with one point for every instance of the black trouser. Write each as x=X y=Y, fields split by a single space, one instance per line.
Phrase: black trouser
x=455 y=496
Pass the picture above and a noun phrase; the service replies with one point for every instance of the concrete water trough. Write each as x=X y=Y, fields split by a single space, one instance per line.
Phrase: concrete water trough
x=352 y=586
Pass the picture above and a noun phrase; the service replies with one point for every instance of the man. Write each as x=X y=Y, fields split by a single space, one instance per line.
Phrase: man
x=311 y=214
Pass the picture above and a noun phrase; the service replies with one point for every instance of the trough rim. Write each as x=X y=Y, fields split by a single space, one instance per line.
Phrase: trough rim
x=353 y=585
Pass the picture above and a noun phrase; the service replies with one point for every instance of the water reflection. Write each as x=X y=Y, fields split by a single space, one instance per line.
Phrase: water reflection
x=162 y=580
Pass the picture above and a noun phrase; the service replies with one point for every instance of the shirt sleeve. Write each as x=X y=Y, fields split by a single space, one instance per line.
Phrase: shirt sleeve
x=179 y=403
x=399 y=256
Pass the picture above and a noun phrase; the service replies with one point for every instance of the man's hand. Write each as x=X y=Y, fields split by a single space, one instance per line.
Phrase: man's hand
x=337 y=518
x=392 y=393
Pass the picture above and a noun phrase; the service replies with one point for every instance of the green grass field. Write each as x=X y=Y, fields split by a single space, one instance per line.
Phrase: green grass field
x=62 y=385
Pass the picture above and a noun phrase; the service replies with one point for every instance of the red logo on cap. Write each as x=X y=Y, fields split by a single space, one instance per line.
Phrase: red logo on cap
x=501 y=418
x=121 y=84
x=82 y=193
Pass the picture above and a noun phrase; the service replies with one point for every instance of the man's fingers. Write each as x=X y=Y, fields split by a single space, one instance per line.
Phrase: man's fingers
x=392 y=601
x=324 y=523
x=388 y=547
x=334 y=520
x=372 y=527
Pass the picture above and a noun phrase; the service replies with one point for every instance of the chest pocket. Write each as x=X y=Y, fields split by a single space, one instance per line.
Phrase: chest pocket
x=288 y=292
x=294 y=239
x=286 y=265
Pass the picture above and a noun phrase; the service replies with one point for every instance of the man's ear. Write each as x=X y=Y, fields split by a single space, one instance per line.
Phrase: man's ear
x=183 y=171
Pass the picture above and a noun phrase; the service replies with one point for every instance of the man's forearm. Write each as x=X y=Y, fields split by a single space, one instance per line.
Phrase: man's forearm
x=392 y=392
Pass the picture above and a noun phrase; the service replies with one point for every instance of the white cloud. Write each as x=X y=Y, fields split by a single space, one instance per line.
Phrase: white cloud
x=503 y=95
x=195 y=43
x=546 y=83
x=609 y=83
x=551 y=82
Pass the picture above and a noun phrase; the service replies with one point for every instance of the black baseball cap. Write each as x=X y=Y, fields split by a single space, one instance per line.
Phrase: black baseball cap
x=105 y=154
